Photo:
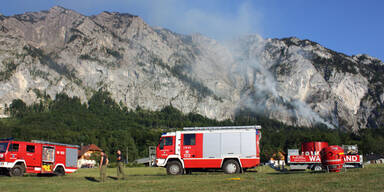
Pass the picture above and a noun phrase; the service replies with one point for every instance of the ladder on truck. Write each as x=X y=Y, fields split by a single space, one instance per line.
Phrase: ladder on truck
x=53 y=143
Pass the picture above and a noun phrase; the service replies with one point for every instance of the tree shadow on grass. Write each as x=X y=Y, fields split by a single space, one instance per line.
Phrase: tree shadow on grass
x=114 y=178
x=296 y=172
x=91 y=179
x=287 y=172
x=148 y=175
x=45 y=175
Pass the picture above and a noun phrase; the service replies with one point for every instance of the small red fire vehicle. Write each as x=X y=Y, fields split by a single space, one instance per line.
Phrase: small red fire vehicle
x=19 y=157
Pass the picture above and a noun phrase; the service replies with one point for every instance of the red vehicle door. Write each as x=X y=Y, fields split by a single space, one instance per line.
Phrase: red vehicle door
x=192 y=150
x=13 y=151
x=166 y=147
x=32 y=156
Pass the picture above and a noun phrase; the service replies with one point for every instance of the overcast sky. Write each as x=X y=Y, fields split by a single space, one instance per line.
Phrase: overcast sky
x=348 y=26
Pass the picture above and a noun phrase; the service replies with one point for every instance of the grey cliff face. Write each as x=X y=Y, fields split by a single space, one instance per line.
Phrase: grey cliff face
x=294 y=81
x=62 y=51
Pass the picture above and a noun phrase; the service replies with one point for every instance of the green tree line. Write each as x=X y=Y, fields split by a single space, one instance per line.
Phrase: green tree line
x=112 y=126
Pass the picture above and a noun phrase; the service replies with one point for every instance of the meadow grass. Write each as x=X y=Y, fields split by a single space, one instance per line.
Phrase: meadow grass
x=264 y=178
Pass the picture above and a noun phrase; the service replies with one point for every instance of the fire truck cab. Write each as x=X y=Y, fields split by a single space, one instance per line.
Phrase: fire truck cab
x=19 y=157
x=232 y=149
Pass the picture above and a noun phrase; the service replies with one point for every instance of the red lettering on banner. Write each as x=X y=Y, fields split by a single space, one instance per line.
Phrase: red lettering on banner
x=314 y=158
x=347 y=158
x=351 y=158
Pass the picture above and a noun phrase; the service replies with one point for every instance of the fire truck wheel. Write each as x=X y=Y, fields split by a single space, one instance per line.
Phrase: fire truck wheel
x=174 y=168
x=59 y=171
x=17 y=170
x=317 y=168
x=231 y=166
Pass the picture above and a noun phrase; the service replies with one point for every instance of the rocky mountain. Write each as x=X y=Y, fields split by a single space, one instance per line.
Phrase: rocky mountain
x=295 y=81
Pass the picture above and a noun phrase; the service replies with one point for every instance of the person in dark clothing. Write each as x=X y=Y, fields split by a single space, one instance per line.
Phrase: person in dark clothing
x=103 y=166
x=120 y=165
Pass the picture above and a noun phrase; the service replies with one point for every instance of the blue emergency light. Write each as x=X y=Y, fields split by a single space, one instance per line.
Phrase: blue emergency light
x=7 y=139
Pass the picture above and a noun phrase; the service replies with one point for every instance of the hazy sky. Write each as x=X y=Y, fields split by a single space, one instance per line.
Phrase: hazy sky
x=348 y=26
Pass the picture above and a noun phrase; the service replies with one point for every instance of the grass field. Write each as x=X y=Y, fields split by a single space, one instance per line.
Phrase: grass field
x=370 y=178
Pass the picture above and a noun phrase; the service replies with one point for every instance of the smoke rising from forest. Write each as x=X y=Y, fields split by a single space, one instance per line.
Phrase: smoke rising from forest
x=263 y=95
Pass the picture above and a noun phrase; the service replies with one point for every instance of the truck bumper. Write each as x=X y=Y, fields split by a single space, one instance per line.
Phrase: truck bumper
x=160 y=162
x=6 y=164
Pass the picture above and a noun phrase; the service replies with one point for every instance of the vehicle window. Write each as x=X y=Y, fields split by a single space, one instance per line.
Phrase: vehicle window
x=161 y=146
x=14 y=147
x=189 y=139
x=30 y=148
x=168 y=141
x=3 y=147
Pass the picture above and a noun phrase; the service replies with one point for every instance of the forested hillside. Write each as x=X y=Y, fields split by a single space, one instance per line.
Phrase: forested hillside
x=110 y=125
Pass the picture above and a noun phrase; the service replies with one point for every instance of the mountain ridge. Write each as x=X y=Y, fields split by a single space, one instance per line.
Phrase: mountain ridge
x=298 y=82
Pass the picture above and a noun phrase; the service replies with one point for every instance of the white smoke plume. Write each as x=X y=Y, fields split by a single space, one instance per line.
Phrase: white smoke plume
x=263 y=95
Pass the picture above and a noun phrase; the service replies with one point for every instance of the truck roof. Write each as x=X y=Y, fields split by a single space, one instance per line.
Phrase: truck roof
x=39 y=142
x=223 y=127
x=252 y=128
x=53 y=143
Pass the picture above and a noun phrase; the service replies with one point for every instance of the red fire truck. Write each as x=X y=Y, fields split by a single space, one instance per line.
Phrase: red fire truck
x=310 y=156
x=231 y=148
x=19 y=157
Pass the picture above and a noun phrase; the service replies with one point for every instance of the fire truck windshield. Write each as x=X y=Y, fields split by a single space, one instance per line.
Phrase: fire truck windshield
x=3 y=147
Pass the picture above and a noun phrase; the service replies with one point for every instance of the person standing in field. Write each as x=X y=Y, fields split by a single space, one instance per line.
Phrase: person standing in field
x=103 y=166
x=120 y=165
